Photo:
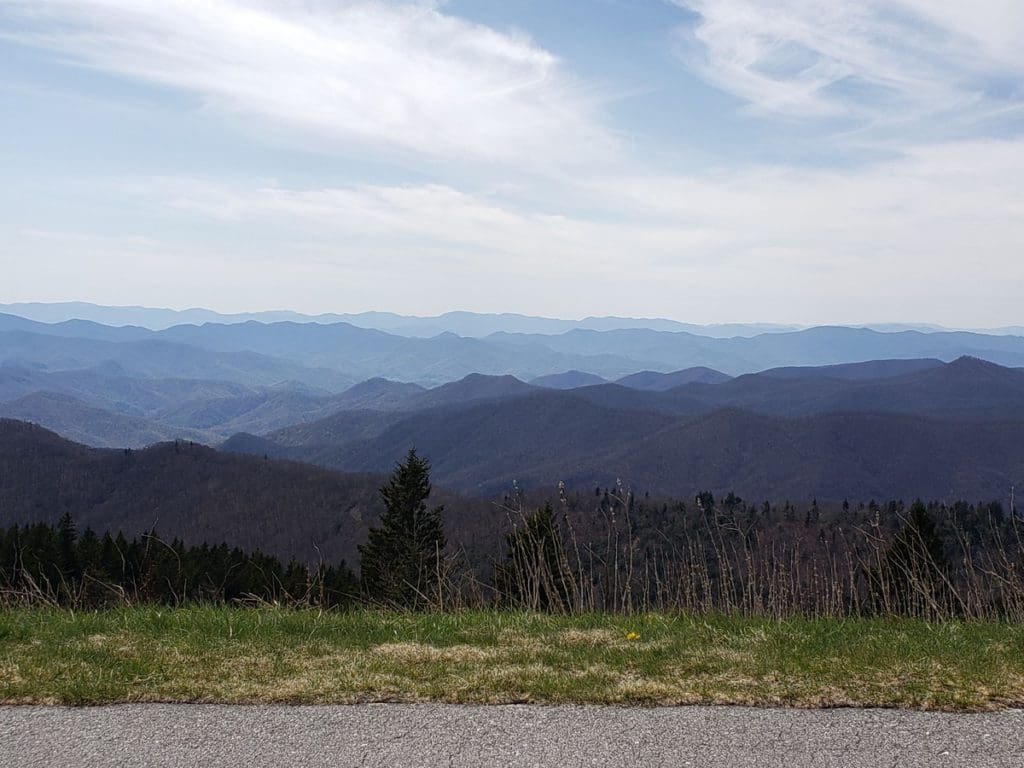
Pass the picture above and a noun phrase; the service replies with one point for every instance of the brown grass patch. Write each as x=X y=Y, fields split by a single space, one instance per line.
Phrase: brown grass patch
x=591 y=637
x=419 y=653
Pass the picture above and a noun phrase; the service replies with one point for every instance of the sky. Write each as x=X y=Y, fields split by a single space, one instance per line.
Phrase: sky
x=796 y=161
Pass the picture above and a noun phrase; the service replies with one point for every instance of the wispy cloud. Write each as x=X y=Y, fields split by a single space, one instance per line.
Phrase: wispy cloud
x=477 y=230
x=398 y=77
x=880 y=61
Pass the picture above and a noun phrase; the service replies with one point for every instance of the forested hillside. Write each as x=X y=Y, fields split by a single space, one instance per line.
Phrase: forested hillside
x=583 y=548
x=942 y=431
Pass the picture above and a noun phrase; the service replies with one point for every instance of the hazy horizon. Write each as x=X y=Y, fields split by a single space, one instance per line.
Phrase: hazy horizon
x=51 y=311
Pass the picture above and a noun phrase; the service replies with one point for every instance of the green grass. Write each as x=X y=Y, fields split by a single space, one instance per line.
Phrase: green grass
x=244 y=656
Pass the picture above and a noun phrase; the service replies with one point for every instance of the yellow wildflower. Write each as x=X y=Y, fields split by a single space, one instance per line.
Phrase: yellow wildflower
x=632 y=635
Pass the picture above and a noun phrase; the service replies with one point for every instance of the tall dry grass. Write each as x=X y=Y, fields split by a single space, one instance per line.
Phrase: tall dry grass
x=727 y=566
x=723 y=564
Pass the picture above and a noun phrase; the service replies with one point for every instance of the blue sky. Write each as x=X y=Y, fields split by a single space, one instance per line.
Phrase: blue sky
x=705 y=160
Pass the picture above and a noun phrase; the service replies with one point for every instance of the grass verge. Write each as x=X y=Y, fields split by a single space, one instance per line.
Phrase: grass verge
x=249 y=656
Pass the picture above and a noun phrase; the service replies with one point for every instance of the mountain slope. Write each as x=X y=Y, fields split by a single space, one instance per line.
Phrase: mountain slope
x=377 y=394
x=871 y=369
x=942 y=432
x=855 y=456
x=156 y=358
x=200 y=495
x=370 y=353
x=109 y=387
x=967 y=387
x=326 y=436
x=476 y=447
x=568 y=380
x=813 y=347
x=92 y=426
x=654 y=381
x=472 y=388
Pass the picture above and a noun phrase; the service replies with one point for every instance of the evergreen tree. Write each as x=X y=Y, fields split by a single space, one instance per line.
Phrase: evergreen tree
x=536 y=572
x=399 y=562
x=912 y=579
x=88 y=549
x=67 y=536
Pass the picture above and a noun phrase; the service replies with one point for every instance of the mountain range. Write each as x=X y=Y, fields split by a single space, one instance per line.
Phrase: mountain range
x=461 y=323
x=468 y=324
x=800 y=413
x=332 y=357
x=197 y=494
x=873 y=430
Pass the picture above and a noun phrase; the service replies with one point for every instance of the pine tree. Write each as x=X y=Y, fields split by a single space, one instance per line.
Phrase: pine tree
x=399 y=562
x=67 y=536
x=536 y=572
x=912 y=579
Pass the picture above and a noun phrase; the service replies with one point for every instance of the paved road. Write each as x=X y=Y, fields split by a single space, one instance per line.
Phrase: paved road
x=427 y=735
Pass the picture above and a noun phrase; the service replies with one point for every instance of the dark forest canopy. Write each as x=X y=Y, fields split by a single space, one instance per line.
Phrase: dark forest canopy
x=925 y=560
x=197 y=494
x=41 y=563
x=621 y=549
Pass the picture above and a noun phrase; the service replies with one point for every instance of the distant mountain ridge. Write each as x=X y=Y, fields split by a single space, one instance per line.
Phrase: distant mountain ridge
x=568 y=380
x=346 y=396
x=334 y=356
x=157 y=358
x=660 y=382
x=941 y=431
x=83 y=423
x=462 y=323
x=128 y=377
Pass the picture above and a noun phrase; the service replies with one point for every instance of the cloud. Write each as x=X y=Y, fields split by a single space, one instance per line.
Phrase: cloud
x=476 y=230
x=895 y=240
x=82 y=240
x=880 y=61
x=400 y=78
x=930 y=231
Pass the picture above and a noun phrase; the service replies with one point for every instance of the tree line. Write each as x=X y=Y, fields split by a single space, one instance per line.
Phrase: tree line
x=56 y=565
x=614 y=552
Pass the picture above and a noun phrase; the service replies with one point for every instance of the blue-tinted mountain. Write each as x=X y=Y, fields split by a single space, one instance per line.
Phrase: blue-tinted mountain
x=866 y=371
x=263 y=411
x=655 y=381
x=542 y=439
x=568 y=380
x=377 y=394
x=276 y=409
x=109 y=387
x=483 y=447
x=828 y=456
x=467 y=324
x=820 y=434
x=94 y=426
x=157 y=358
x=473 y=388
x=318 y=351
x=75 y=328
x=812 y=347
x=966 y=388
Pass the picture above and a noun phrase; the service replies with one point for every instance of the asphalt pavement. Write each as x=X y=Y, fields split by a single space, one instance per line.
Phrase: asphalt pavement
x=396 y=735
